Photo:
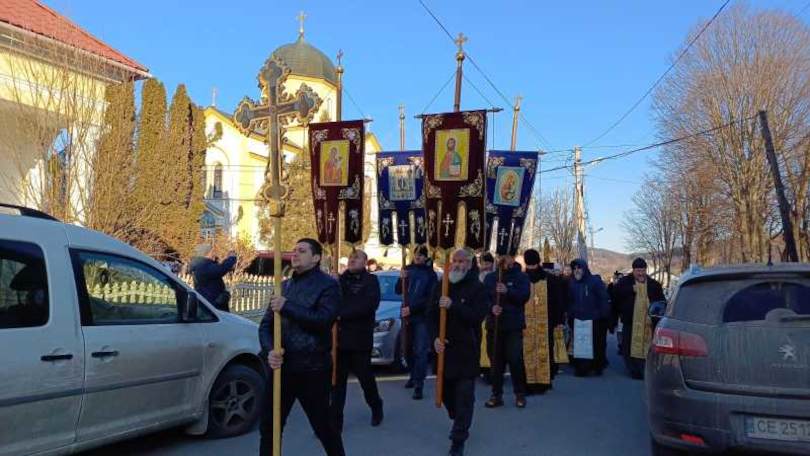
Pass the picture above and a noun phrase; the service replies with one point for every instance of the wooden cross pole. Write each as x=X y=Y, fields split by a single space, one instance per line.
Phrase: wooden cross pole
x=336 y=247
x=445 y=279
x=249 y=117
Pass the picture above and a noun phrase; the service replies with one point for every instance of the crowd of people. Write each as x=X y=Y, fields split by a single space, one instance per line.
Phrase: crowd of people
x=500 y=313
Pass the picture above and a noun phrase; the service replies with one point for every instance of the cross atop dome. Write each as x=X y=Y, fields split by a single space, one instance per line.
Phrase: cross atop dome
x=301 y=17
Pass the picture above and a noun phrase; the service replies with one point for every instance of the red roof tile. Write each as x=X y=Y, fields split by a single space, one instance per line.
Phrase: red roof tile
x=35 y=17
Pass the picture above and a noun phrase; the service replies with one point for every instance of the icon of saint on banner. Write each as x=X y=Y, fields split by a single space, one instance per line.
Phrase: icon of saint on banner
x=334 y=163
x=509 y=185
x=402 y=182
x=452 y=160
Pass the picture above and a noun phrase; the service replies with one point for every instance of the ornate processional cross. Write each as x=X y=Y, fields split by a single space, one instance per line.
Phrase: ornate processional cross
x=275 y=106
x=331 y=220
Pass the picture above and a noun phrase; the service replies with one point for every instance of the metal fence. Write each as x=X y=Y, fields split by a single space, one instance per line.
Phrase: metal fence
x=249 y=293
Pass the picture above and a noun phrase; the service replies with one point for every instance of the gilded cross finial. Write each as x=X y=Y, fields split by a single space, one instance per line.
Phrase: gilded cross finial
x=301 y=18
x=339 y=56
x=518 y=99
x=402 y=111
x=460 y=42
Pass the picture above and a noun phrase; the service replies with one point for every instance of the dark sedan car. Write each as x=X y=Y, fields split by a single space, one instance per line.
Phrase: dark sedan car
x=729 y=366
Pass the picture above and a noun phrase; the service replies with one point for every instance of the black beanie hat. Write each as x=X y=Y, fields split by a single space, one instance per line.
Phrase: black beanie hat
x=639 y=263
x=422 y=250
x=531 y=257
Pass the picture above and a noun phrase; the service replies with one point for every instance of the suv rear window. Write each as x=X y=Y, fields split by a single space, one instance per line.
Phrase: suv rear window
x=23 y=285
x=754 y=302
x=741 y=299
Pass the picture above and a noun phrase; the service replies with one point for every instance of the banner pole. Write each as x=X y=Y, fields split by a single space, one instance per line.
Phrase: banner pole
x=445 y=279
x=336 y=248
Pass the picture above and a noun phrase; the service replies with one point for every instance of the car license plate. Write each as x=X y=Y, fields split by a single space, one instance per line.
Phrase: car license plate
x=778 y=429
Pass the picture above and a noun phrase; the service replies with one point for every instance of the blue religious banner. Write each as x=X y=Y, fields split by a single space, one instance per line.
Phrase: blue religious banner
x=400 y=181
x=510 y=179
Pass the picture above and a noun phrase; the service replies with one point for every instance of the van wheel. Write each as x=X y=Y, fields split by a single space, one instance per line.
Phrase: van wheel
x=661 y=450
x=235 y=402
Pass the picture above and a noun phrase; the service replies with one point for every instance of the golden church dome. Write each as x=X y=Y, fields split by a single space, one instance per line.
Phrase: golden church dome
x=304 y=59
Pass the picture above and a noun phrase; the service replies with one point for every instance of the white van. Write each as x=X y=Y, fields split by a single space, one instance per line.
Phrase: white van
x=99 y=343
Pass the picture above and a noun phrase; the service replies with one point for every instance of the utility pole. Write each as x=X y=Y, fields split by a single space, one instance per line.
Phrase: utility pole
x=593 y=232
x=784 y=206
x=579 y=204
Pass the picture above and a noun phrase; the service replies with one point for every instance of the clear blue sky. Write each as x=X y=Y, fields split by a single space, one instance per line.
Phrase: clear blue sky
x=578 y=65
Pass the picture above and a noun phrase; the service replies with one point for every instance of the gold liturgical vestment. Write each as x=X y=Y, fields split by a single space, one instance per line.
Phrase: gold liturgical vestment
x=484 y=358
x=642 y=327
x=536 y=353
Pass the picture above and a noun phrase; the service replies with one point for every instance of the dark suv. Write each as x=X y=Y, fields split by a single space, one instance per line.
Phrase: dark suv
x=729 y=366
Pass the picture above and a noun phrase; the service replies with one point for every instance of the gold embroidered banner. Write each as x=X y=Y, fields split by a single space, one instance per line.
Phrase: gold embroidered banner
x=642 y=327
x=337 y=151
x=454 y=149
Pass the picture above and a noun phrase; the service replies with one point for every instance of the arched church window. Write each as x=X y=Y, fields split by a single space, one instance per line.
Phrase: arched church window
x=218 y=180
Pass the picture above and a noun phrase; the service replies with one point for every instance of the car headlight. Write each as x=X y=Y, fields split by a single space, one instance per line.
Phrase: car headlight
x=384 y=325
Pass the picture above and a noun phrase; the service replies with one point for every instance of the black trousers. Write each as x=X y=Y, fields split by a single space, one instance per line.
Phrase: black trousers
x=459 y=400
x=359 y=363
x=599 y=361
x=508 y=350
x=635 y=367
x=311 y=389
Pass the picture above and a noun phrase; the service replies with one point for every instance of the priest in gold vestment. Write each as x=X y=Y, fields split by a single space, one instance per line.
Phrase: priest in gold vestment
x=632 y=296
x=544 y=312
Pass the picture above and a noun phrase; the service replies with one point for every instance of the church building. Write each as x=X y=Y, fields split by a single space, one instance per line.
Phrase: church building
x=235 y=163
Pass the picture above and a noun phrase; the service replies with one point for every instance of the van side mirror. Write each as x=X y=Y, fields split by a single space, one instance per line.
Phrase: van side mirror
x=189 y=310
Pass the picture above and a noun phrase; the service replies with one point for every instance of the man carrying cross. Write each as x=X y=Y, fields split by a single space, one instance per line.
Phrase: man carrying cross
x=421 y=281
x=466 y=304
x=505 y=323
x=308 y=306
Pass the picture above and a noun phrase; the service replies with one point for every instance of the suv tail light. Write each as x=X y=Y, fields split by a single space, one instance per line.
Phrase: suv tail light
x=671 y=342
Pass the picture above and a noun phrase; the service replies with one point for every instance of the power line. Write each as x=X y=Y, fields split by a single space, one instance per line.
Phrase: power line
x=356 y=106
x=660 y=78
x=651 y=146
x=478 y=91
x=532 y=128
x=452 y=76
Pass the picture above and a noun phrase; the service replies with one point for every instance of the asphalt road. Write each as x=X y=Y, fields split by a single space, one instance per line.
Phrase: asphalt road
x=580 y=416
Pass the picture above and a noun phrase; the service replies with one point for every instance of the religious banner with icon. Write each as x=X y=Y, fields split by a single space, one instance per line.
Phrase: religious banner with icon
x=510 y=179
x=400 y=183
x=454 y=148
x=336 y=151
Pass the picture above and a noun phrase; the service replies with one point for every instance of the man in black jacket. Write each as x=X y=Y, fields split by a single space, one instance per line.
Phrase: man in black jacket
x=632 y=296
x=361 y=298
x=508 y=298
x=466 y=304
x=208 y=274
x=308 y=307
x=421 y=280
